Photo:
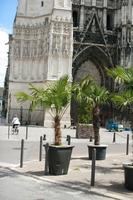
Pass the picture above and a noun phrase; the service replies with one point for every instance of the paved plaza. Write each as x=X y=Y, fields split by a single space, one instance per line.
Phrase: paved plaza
x=109 y=180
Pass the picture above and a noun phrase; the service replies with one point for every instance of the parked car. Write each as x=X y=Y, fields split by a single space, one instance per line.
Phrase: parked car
x=120 y=127
x=114 y=126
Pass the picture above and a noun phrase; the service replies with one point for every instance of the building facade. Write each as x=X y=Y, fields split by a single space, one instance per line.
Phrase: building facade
x=1 y=100
x=40 y=51
x=75 y=37
x=103 y=35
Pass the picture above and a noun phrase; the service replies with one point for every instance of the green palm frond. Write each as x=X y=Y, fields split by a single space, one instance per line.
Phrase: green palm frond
x=55 y=97
x=98 y=94
x=22 y=97
x=123 y=99
x=92 y=93
x=118 y=73
x=122 y=76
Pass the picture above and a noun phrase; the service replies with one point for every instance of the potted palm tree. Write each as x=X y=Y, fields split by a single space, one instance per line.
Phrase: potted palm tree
x=124 y=99
x=94 y=96
x=56 y=99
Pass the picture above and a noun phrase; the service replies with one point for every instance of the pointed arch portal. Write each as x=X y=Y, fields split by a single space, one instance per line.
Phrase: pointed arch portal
x=91 y=60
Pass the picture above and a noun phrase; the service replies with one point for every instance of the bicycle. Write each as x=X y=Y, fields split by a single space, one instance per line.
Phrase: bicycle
x=15 y=129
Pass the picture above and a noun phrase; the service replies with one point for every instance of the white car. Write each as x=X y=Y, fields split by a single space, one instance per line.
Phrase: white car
x=120 y=127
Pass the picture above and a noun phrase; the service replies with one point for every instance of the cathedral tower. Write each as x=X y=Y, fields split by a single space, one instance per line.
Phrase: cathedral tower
x=75 y=37
x=41 y=48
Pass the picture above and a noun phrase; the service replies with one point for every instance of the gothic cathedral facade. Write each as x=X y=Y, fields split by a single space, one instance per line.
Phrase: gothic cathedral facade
x=74 y=37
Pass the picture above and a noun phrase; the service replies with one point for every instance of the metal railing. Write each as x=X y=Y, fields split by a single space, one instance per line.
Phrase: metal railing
x=27 y=117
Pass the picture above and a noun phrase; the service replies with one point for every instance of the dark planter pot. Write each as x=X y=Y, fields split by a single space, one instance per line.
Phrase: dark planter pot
x=100 y=151
x=59 y=159
x=128 y=173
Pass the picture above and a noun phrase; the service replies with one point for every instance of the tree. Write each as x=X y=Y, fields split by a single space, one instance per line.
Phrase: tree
x=123 y=97
x=94 y=96
x=55 y=99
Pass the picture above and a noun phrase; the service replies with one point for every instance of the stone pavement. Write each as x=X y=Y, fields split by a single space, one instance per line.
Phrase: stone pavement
x=109 y=180
x=35 y=132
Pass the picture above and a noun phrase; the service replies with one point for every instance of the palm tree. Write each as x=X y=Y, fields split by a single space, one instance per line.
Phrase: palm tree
x=124 y=85
x=124 y=98
x=93 y=96
x=123 y=77
x=55 y=98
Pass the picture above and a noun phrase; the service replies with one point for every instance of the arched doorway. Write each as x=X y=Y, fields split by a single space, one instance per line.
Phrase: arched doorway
x=88 y=67
x=91 y=60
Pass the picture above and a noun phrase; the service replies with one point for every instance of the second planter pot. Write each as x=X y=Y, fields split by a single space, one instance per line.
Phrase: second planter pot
x=100 y=151
x=128 y=173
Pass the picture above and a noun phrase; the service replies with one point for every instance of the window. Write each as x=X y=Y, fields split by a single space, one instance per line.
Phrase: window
x=109 y=21
x=42 y=3
x=75 y=18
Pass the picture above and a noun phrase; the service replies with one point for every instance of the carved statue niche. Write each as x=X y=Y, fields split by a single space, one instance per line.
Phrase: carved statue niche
x=64 y=43
x=93 y=27
x=100 y=16
x=34 y=49
x=26 y=49
x=17 y=47
x=66 y=28
x=88 y=16
x=41 y=48
x=56 y=43
x=60 y=3
x=57 y=27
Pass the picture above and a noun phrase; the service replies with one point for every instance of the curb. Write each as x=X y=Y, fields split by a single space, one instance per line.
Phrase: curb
x=90 y=189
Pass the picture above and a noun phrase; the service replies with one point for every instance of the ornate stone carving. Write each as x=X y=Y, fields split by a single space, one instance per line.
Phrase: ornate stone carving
x=41 y=48
x=34 y=40
x=34 y=49
x=61 y=3
x=57 y=27
x=66 y=28
x=99 y=3
x=26 y=49
x=61 y=36
x=56 y=43
x=17 y=47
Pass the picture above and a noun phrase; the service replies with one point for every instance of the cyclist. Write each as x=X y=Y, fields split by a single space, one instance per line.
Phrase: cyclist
x=15 y=124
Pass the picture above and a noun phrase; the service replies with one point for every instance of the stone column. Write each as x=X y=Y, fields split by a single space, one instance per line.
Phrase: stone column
x=94 y=3
x=123 y=14
x=82 y=15
x=131 y=53
x=105 y=14
x=123 y=20
x=130 y=10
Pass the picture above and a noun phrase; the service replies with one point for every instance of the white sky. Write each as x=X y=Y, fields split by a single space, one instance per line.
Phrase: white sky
x=3 y=54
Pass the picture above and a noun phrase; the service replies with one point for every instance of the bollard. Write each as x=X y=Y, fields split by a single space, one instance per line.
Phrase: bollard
x=44 y=137
x=22 y=153
x=8 y=131
x=40 y=149
x=93 y=166
x=127 y=146
x=26 y=132
x=46 y=159
x=114 y=137
x=68 y=139
x=91 y=139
